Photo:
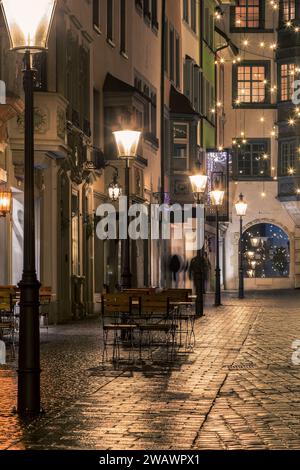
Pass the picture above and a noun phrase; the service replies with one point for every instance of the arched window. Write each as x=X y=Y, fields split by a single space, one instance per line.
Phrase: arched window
x=266 y=249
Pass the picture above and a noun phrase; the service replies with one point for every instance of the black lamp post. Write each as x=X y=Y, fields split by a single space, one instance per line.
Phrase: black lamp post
x=217 y=198
x=28 y=24
x=127 y=144
x=241 y=209
x=199 y=183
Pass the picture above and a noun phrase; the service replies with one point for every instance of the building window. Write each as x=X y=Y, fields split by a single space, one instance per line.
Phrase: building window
x=186 y=10
x=248 y=14
x=194 y=15
x=96 y=13
x=110 y=28
x=147 y=13
x=154 y=14
x=287 y=10
x=287 y=158
x=166 y=46
x=149 y=118
x=287 y=73
x=250 y=83
x=266 y=250
x=253 y=159
x=181 y=147
x=172 y=52
x=177 y=61
x=153 y=111
x=208 y=27
x=192 y=83
x=123 y=26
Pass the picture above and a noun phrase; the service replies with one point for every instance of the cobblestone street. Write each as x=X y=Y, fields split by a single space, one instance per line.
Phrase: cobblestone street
x=238 y=390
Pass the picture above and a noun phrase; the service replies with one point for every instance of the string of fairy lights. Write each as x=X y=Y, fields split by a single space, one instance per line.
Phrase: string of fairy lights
x=261 y=49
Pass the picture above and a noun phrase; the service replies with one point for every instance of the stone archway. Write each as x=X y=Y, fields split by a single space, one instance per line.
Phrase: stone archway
x=274 y=266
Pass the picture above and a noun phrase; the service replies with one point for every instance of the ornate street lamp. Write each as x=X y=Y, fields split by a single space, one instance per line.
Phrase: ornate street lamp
x=127 y=143
x=199 y=183
x=114 y=189
x=28 y=24
x=5 y=202
x=217 y=198
x=241 y=209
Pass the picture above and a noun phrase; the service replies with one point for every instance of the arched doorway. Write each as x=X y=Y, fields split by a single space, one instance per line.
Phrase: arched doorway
x=266 y=250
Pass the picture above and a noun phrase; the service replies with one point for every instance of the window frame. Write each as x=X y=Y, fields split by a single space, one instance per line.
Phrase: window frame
x=253 y=177
x=110 y=24
x=181 y=141
x=123 y=27
x=255 y=104
x=96 y=16
x=186 y=11
x=287 y=141
x=262 y=19
x=291 y=6
x=280 y=77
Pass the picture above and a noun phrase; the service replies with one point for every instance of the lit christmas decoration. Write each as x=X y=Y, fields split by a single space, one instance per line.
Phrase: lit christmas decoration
x=291 y=122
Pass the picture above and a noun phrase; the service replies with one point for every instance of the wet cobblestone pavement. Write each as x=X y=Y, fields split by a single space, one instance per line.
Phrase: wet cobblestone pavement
x=238 y=390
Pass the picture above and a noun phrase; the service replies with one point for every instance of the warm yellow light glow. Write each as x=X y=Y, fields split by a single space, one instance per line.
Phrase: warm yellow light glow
x=245 y=42
x=114 y=191
x=262 y=44
x=263 y=194
x=5 y=202
x=127 y=143
x=250 y=254
x=198 y=183
x=262 y=119
x=217 y=197
x=291 y=122
x=291 y=171
x=255 y=242
x=28 y=22
x=241 y=206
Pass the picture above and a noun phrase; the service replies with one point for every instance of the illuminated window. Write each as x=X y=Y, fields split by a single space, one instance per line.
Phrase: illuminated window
x=250 y=83
x=287 y=10
x=247 y=14
x=287 y=72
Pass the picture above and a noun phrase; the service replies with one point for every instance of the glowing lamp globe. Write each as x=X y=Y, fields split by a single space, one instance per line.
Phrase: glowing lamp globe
x=217 y=197
x=127 y=143
x=241 y=206
x=28 y=23
x=5 y=203
x=198 y=183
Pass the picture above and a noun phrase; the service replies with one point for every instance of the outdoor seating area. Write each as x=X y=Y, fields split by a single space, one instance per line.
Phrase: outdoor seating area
x=10 y=312
x=141 y=325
